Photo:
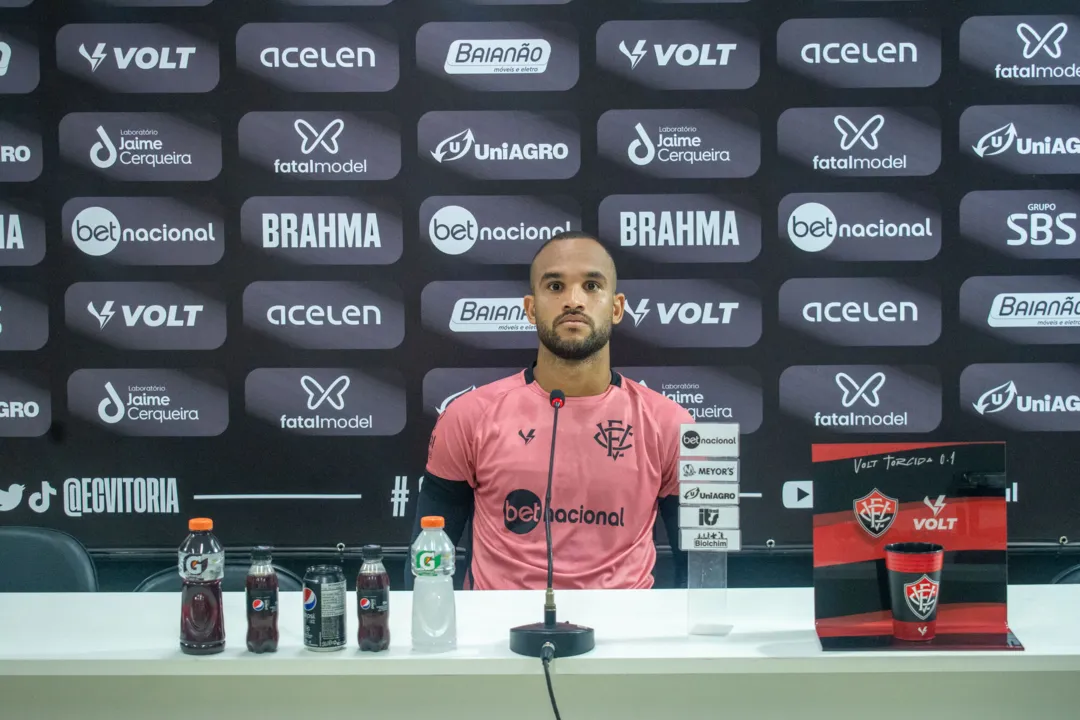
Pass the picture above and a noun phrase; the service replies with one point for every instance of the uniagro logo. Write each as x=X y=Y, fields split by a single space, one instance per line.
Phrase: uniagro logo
x=1025 y=139
x=1023 y=49
x=1024 y=224
x=1035 y=397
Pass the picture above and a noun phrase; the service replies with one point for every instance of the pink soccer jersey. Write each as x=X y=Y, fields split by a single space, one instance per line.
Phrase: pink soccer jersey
x=616 y=454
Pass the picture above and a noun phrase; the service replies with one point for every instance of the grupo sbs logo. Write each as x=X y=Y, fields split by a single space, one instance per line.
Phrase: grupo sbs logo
x=143 y=402
x=443 y=386
x=22 y=234
x=700 y=228
x=863 y=398
x=489 y=314
x=338 y=146
x=327 y=401
x=515 y=56
x=145 y=230
x=20 y=63
x=1033 y=397
x=862 y=141
x=24 y=316
x=502 y=145
x=691 y=313
x=20 y=149
x=1026 y=310
x=862 y=226
x=709 y=394
x=1023 y=224
x=1023 y=49
x=862 y=52
x=142 y=146
x=1023 y=139
x=863 y=311
x=496 y=229
x=147 y=315
x=327 y=315
x=681 y=54
x=682 y=143
x=25 y=404
x=320 y=57
x=139 y=57
x=312 y=230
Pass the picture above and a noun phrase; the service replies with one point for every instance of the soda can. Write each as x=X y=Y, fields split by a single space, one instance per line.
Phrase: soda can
x=324 y=608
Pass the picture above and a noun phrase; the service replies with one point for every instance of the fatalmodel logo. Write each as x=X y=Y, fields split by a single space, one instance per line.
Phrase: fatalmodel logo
x=25 y=405
x=680 y=54
x=863 y=311
x=1028 y=139
x=692 y=313
x=320 y=57
x=1028 y=224
x=862 y=141
x=709 y=394
x=327 y=401
x=22 y=235
x=324 y=230
x=862 y=52
x=145 y=231
x=151 y=402
x=1023 y=49
x=502 y=145
x=20 y=69
x=496 y=229
x=1024 y=397
x=863 y=398
x=870 y=226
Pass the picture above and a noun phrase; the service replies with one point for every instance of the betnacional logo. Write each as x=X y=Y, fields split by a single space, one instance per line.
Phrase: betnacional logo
x=1023 y=224
x=22 y=234
x=1028 y=397
x=522 y=512
x=862 y=141
x=1023 y=49
x=1022 y=139
x=875 y=512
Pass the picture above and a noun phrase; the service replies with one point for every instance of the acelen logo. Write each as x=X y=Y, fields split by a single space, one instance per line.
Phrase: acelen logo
x=863 y=311
x=1034 y=397
x=680 y=54
x=692 y=313
x=1023 y=49
x=22 y=234
x=1022 y=139
x=862 y=141
x=1033 y=310
x=862 y=52
x=1023 y=224
x=862 y=226
x=320 y=57
x=139 y=57
x=683 y=228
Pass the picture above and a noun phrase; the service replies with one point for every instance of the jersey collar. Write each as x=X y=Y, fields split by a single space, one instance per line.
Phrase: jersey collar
x=616 y=378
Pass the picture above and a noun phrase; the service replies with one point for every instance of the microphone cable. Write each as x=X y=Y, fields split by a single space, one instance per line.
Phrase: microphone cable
x=547 y=654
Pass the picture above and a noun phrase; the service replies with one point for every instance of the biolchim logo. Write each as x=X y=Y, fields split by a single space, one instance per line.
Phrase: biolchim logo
x=1023 y=224
x=683 y=228
x=327 y=401
x=863 y=398
x=25 y=404
x=502 y=145
x=1036 y=397
x=327 y=315
x=496 y=229
x=1023 y=49
x=338 y=146
x=682 y=143
x=680 y=54
x=709 y=394
x=442 y=386
x=139 y=57
x=22 y=234
x=24 y=317
x=1034 y=310
x=20 y=149
x=862 y=226
x=145 y=230
x=862 y=52
x=863 y=311
x=500 y=55
x=320 y=57
x=20 y=69
x=862 y=142
x=324 y=230
x=1023 y=139
x=692 y=313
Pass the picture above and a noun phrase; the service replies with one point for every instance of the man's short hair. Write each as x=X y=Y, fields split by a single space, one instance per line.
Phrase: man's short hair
x=569 y=235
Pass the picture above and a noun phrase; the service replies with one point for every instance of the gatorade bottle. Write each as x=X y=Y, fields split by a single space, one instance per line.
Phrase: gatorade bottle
x=202 y=565
x=434 y=615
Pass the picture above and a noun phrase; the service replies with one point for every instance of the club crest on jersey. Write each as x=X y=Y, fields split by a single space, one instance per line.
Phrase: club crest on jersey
x=875 y=512
x=614 y=437
x=922 y=596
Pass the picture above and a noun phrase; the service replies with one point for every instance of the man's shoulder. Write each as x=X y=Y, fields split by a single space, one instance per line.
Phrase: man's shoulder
x=656 y=404
x=475 y=401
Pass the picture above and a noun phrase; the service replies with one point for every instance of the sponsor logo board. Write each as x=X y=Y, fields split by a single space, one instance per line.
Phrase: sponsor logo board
x=710 y=439
x=1023 y=49
x=22 y=234
x=25 y=404
x=20 y=63
x=1023 y=224
x=701 y=539
x=691 y=313
x=24 y=317
x=709 y=394
x=708 y=471
x=1034 y=397
x=1023 y=139
x=20 y=149
x=479 y=314
x=694 y=494
x=723 y=518
x=443 y=386
x=1026 y=310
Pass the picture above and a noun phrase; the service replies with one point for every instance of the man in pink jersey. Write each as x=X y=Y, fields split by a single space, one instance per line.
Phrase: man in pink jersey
x=616 y=457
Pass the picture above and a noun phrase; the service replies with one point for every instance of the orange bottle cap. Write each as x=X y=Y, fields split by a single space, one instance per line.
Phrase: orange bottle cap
x=198 y=524
x=432 y=521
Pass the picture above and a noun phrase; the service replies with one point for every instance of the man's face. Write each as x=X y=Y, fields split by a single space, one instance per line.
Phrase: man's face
x=573 y=303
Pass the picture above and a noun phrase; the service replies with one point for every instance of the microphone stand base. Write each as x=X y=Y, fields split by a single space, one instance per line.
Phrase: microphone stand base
x=568 y=639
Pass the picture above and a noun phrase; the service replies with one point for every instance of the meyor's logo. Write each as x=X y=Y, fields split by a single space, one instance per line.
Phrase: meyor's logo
x=692 y=313
x=522 y=512
x=863 y=398
x=1024 y=397
x=709 y=394
x=1028 y=224
x=862 y=52
x=144 y=230
x=1024 y=139
x=320 y=57
x=22 y=235
x=496 y=229
x=20 y=69
x=1023 y=50
x=166 y=403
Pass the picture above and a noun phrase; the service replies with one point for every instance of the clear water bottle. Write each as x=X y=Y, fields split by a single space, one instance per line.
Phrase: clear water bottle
x=202 y=565
x=434 y=614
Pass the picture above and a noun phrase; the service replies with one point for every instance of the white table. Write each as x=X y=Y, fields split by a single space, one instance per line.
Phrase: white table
x=115 y=656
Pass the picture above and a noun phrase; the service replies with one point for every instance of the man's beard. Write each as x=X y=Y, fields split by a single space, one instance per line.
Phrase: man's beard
x=575 y=349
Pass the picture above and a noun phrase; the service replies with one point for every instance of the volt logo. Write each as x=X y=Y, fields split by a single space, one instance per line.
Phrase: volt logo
x=937 y=506
x=850 y=133
x=687 y=313
x=104 y=315
x=317 y=395
x=685 y=55
x=94 y=58
x=1050 y=43
x=145 y=58
x=454 y=147
x=312 y=139
x=150 y=315
x=635 y=55
x=867 y=392
x=935 y=523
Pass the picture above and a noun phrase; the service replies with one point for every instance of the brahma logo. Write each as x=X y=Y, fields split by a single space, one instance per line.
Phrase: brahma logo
x=492 y=57
x=875 y=512
x=922 y=596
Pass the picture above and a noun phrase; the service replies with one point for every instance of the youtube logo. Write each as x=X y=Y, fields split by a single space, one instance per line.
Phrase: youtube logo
x=798 y=494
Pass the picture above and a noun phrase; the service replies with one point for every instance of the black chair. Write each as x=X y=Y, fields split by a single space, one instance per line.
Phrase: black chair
x=34 y=559
x=1067 y=577
x=168 y=580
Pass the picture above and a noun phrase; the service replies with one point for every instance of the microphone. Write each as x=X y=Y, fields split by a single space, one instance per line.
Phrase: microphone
x=551 y=638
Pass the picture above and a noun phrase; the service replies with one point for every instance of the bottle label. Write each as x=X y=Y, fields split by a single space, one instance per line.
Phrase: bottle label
x=428 y=562
x=201 y=567
x=374 y=601
x=262 y=601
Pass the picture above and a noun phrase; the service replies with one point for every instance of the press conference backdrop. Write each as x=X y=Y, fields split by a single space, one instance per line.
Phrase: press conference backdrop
x=252 y=249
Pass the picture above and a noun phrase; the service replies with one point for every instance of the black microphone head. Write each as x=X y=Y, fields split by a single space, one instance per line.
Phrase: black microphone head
x=557 y=398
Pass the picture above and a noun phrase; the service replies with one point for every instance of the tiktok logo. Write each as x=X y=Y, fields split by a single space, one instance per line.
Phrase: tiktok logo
x=39 y=501
x=103 y=407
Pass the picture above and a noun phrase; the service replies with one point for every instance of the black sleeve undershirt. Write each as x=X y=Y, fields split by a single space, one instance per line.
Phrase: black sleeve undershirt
x=450 y=499
x=669 y=512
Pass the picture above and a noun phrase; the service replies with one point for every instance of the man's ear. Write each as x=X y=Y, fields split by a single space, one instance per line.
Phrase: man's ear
x=530 y=308
x=618 y=308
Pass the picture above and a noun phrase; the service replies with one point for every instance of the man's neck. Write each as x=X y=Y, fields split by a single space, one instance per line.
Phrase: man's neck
x=576 y=378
